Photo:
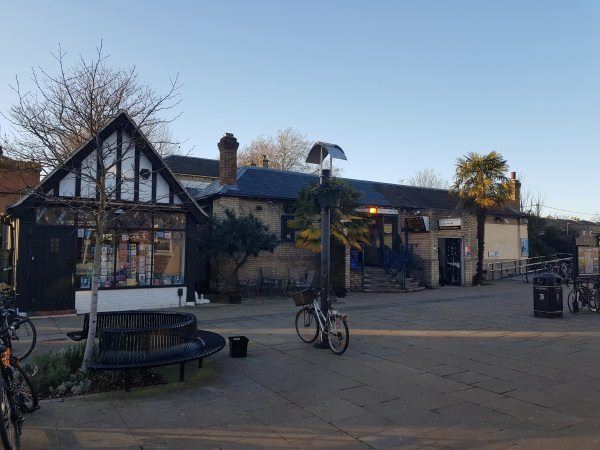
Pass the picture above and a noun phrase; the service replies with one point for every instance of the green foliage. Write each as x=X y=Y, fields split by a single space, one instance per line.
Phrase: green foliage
x=57 y=372
x=480 y=180
x=347 y=228
x=52 y=371
x=238 y=238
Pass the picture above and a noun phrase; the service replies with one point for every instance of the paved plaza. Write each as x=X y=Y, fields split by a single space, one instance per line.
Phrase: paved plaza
x=448 y=368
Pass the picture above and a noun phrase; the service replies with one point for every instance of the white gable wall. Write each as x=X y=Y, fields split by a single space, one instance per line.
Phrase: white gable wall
x=66 y=187
x=145 y=185
x=127 y=169
x=162 y=189
x=88 y=175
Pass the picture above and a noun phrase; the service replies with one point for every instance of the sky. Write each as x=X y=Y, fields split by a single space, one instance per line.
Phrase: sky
x=400 y=86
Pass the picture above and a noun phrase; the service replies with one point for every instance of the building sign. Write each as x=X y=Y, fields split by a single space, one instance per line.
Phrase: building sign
x=494 y=254
x=588 y=259
x=376 y=210
x=524 y=248
x=450 y=224
x=417 y=224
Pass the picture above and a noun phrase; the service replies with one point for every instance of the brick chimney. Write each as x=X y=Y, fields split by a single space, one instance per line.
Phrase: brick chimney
x=228 y=146
x=265 y=161
x=515 y=197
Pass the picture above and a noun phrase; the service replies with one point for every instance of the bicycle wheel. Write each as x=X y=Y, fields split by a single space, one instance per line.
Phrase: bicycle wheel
x=307 y=325
x=23 y=336
x=9 y=430
x=592 y=300
x=25 y=392
x=575 y=301
x=339 y=335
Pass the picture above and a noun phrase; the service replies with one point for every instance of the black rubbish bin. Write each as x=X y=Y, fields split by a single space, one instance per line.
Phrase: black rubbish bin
x=547 y=295
x=238 y=346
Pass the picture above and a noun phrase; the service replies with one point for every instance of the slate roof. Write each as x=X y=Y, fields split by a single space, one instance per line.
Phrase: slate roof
x=259 y=182
x=193 y=166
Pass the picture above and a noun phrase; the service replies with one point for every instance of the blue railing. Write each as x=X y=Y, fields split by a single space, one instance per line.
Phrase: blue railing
x=395 y=265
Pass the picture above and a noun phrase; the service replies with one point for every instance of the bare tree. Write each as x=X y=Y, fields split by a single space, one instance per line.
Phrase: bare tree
x=428 y=178
x=287 y=150
x=69 y=109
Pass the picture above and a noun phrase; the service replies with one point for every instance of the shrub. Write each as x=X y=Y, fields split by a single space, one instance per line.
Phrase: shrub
x=52 y=371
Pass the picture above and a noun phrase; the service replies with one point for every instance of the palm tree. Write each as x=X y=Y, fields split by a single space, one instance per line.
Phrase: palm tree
x=347 y=228
x=480 y=182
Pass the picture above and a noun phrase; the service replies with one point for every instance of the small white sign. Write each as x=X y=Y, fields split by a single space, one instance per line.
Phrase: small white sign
x=450 y=224
x=494 y=254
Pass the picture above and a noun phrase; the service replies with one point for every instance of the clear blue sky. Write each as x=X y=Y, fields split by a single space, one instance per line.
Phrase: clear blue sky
x=399 y=85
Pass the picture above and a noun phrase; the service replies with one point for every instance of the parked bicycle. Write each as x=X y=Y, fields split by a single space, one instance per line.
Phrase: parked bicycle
x=311 y=320
x=583 y=295
x=23 y=334
x=17 y=393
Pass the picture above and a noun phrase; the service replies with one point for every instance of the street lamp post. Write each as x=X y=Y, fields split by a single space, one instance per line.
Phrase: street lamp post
x=317 y=155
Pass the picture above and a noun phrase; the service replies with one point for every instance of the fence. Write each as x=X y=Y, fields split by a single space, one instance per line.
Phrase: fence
x=527 y=267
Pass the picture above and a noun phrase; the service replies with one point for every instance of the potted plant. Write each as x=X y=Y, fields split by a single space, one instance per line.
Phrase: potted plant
x=329 y=196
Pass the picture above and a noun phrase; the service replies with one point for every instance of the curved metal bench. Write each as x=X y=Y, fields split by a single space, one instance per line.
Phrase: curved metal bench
x=139 y=339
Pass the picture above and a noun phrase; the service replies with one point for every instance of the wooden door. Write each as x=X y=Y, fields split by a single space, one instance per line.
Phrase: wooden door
x=51 y=268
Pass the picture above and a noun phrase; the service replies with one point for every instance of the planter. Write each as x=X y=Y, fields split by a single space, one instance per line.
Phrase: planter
x=235 y=299
x=238 y=346
x=329 y=198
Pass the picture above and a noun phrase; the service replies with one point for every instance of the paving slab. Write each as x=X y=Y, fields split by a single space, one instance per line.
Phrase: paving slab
x=464 y=368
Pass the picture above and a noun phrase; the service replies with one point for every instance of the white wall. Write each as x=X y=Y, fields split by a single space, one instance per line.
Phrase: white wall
x=66 y=187
x=162 y=190
x=130 y=299
x=127 y=169
x=145 y=185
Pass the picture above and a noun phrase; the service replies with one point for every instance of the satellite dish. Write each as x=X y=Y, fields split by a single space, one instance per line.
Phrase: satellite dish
x=321 y=150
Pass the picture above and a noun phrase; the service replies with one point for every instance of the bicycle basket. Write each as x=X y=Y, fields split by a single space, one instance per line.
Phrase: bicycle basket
x=305 y=297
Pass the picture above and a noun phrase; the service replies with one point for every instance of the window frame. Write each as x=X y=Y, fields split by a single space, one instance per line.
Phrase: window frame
x=283 y=226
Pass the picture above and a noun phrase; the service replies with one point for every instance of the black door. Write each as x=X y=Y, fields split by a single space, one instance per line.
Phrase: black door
x=51 y=267
x=453 y=266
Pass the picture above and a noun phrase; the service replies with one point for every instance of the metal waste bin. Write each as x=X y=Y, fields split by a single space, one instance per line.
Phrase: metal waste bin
x=547 y=295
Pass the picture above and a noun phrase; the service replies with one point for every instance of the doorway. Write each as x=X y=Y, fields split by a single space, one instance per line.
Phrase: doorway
x=450 y=261
x=383 y=232
x=49 y=269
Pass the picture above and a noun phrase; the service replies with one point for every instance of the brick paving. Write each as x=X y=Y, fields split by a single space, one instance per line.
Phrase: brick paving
x=449 y=368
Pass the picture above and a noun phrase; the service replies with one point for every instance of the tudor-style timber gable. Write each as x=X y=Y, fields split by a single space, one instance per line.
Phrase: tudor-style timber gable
x=134 y=173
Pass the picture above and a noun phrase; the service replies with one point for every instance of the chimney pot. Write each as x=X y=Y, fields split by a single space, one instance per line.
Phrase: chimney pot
x=265 y=161
x=513 y=175
x=228 y=146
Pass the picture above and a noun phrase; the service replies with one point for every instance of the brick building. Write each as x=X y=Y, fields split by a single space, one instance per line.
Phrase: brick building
x=16 y=177
x=426 y=222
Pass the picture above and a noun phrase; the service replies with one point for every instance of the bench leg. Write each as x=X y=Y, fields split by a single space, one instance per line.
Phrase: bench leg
x=200 y=363
x=181 y=371
x=126 y=380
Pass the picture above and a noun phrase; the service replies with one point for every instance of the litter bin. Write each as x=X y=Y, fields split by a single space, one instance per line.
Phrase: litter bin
x=547 y=295
x=238 y=346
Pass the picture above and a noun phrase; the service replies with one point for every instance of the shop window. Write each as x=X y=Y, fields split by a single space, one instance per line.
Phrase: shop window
x=134 y=258
x=85 y=259
x=169 y=221
x=133 y=219
x=288 y=234
x=55 y=216
x=168 y=258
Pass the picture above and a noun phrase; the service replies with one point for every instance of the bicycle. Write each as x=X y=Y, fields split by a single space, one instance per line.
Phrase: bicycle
x=22 y=331
x=311 y=320
x=582 y=295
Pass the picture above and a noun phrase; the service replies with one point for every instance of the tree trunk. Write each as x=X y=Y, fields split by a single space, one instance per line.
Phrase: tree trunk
x=232 y=275
x=101 y=222
x=91 y=337
x=478 y=278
